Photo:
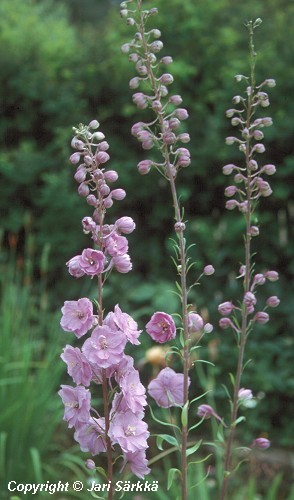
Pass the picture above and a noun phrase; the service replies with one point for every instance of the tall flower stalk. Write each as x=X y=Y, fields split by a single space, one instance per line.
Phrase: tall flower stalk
x=248 y=188
x=101 y=364
x=162 y=134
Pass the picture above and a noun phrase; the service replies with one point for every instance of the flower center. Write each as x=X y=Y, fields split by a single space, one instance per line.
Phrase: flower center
x=103 y=342
x=163 y=326
x=130 y=431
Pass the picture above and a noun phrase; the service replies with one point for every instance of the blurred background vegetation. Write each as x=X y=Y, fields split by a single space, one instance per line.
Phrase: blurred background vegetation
x=61 y=65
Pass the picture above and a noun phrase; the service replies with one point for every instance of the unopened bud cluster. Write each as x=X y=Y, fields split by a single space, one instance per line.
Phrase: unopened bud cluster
x=249 y=181
x=163 y=132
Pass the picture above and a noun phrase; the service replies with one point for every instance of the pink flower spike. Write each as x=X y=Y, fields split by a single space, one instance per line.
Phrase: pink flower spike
x=161 y=327
x=167 y=388
x=77 y=316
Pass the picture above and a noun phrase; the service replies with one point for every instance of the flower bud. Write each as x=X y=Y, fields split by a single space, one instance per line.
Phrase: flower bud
x=249 y=299
x=108 y=202
x=111 y=176
x=254 y=231
x=125 y=225
x=93 y=124
x=92 y=200
x=261 y=317
x=118 y=194
x=75 y=158
x=228 y=169
x=102 y=157
x=103 y=146
x=156 y=33
x=226 y=308
x=181 y=114
x=225 y=323
x=262 y=443
x=259 y=279
x=166 y=60
x=272 y=275
x=80 y=174
x=77 y=143
x=244 y=395
x=269 y=169
x=207 y=328
x=270 y=82
x=134 y=83
x=258 y=135
x=231 y=204
x=230 y=191
x=156 y=46
x=83 y=189
x=176 y=100
x=206 y=411
x=208 y=270
x=180 y=227
x=174 y=123
x=230 y=140
x=144 y=166
x=166 y=79
x=253 y=165
x=258 y=148
x=125 y=48
x=90 y=464
x=184 y=138
x=273 y=301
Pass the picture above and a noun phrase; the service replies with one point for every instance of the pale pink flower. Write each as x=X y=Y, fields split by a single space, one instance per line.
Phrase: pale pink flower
x=122 y=263
x=133 y=391
x=77 y=316
x=129 y=432
x=161 y=327
x=90 y=436
x=138 y=463
x=74 y=267
x=105 y=347
x=123 y=322
x=167 y=388
x=92 y=261
x=78 y=366
x=76 y=401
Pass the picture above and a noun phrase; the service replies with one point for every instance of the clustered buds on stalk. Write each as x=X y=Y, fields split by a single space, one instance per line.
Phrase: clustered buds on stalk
x=101 y=360
x=162 y=132
x=249 y=186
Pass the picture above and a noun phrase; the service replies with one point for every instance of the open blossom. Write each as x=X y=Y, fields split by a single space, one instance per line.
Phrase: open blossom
x=123 y=322
x=122 y=263
x=167 y=388
x=133 y=391
x=195 y=322
x=116 y=245
x=74 y=267
x=77 y=316
x=90 y=436
x=244 y=395
x=76 y=402
x=129 y=432
x=92 y=261
x=78 y=366
x=138 y=463
x=161 y=327
x=104 y=347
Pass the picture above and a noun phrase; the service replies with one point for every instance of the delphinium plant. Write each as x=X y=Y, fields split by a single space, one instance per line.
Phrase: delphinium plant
x=99 y=367
x=248 y=187
x=162 y=134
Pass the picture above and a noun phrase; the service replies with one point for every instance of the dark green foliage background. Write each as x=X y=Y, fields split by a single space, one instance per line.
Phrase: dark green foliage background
x=60 y=65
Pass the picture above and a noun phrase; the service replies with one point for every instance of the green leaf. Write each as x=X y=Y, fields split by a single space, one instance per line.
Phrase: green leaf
x=171 y=475
x=102 y=472
x=161 y=421
x=184 y=415
x=238 y=420
x=232 y=378
x=194 y=448
x=166 y=437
